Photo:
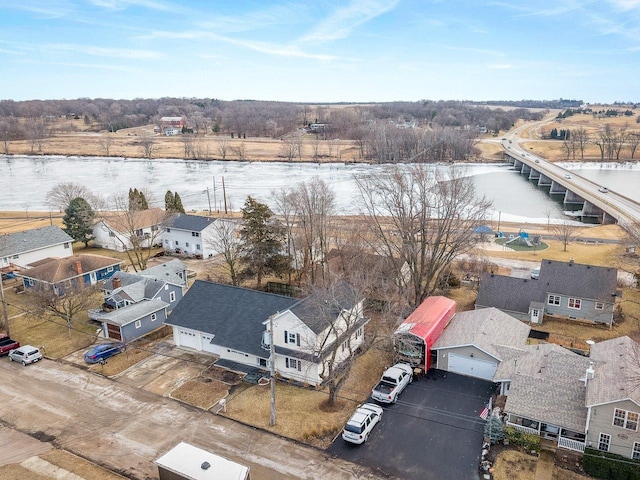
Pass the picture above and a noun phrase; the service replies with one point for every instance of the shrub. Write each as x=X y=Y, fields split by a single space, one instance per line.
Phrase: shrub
x=528 y=441
x=610 y=466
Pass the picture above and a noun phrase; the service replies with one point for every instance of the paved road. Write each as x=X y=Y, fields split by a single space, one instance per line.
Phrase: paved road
x=126 y=429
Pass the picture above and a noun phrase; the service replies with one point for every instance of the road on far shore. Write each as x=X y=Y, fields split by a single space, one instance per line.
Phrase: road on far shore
x=125 y=429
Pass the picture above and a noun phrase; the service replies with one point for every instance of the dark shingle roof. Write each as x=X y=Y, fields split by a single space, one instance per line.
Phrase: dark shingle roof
x=562 y=278
x=27 y=241
x=192 y=223
x=234 y=315
x=322 y=307
x=60 y=269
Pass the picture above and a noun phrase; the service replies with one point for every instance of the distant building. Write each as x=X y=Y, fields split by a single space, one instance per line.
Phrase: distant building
x=172 y=125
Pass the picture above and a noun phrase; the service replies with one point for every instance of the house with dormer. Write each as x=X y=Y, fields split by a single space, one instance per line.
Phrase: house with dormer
x=125 y=230
x=572 y=290
x=138 y=303
x=239 y=325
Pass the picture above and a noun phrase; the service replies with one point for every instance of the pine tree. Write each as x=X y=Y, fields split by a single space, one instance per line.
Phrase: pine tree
x=78 y=220
x=177 y=204
x=168 y=201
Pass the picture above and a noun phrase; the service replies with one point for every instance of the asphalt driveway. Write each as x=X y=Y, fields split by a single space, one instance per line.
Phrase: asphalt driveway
x=433 y=432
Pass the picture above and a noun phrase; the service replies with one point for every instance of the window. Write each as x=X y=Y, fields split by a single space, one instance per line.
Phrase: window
x=575 y=303
x=604 y=441
x=139 y=232
x=66 y=245
x=111 y=234
x=138 y=323
x=177 y=243
x=197 y=246
x=345 y=345
x=625 y=419
x=172 y=296
x=168 y=230
x=599 y=306
x=30 y=283
x=195 y=234
x=153 y=317
x=635 y=451
x=166 y=240
x=554 y=300
x=186 y=244
x=109 y=269
x=292 y=337
x=293 y=363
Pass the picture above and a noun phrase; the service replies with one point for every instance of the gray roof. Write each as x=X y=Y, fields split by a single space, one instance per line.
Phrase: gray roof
x=234 y=315
x=131 y=313
x=485 y=328
x=192 y=223
x=525 y=360
x=30 y=240
x=617 y=371
x=321 y=308
x=133 y=287
x=172 y=271
x=560 y=278
x=548 y=386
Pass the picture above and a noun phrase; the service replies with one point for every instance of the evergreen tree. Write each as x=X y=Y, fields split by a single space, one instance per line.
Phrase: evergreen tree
x=137 y=200
x=177 y=204
x=78 y=220
x=262 y=239
x=168 y=201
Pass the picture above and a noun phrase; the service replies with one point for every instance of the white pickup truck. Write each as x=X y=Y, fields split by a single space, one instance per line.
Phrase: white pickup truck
x=393 y=381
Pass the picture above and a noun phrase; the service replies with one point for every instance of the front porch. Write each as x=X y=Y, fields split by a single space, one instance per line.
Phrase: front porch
x=564 y=438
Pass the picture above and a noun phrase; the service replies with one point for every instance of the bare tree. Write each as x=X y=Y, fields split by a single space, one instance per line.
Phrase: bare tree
x=565 y=232
x=222 y=145
x=285 y=208
x=62 y=302
x=633 y=140
x=60 y=196
x=421 y=221
x=226 y=241
x=581 y=138
x=290 y=149
x=106 y=141
x=188 y=142
x=147 y=142
x=240 y=151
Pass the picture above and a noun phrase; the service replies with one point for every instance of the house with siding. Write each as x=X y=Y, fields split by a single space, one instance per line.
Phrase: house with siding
x=121 y=231
x=574 y=400
x=24 y=248
x=77 y=271
x=193 y=234
x=569 y=289
x=137 y=303
x=235 y=324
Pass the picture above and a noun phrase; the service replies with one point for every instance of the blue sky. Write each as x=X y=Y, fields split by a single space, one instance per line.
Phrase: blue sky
x=321 y=50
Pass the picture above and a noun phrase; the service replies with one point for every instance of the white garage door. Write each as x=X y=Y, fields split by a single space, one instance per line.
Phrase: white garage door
x=472 y=367
x=187 y=339
x=206 y=344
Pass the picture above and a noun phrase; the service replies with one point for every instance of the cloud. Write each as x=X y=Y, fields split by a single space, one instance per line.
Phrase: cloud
x=121 y=53
x=124 y=4
x=626 y=4
x=345 y=19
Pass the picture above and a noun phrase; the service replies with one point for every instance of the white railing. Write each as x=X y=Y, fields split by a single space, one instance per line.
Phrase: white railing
x=532 y=431
x=570 y=444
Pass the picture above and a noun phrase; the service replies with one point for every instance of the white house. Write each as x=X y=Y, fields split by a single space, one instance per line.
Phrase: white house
x=194 y=234
x=24 y=248
x=114 y=232
x=234 y=323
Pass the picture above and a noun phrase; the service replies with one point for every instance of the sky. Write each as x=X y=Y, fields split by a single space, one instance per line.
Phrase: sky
x=321 y=50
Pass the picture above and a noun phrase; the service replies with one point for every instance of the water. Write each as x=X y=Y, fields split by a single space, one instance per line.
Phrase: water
x=26 y=180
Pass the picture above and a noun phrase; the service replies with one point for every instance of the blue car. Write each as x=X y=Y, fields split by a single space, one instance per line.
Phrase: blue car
x=100 y=353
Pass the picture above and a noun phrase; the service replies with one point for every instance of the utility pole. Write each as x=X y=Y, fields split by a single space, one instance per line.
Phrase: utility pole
x=215 y=201
x=209 y=198
x=5 y=314
x=224 y=194
x=272 y=371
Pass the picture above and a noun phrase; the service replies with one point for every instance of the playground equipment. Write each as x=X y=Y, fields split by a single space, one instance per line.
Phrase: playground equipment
x=521 y=238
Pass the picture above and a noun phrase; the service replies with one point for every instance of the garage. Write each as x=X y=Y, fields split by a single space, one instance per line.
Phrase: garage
x=188 y=339
x=472 y=367
x=207 y=346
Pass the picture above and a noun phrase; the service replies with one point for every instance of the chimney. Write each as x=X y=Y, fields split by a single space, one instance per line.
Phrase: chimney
x=590 y=374
x=116 y=283
x=79 y=267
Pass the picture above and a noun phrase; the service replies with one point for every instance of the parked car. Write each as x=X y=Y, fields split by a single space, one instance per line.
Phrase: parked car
x=567 y=175
x=26 y=354
x=393 y=381
x=361 y=423
x=535 y=273
x=603 y=190
x=101 y=352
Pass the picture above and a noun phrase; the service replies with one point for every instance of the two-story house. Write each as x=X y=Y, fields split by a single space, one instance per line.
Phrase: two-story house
x=136 y=304
x=569 y=289
x=235 y=324
x=24 y=248
x=77 y=271
x=123 y=230
x=193 y=234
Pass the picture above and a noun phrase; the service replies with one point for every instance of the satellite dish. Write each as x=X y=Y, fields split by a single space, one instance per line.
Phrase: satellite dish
x=590 y=342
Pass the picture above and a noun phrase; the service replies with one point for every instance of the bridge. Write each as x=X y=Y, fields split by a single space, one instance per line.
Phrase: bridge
x=589 y=201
